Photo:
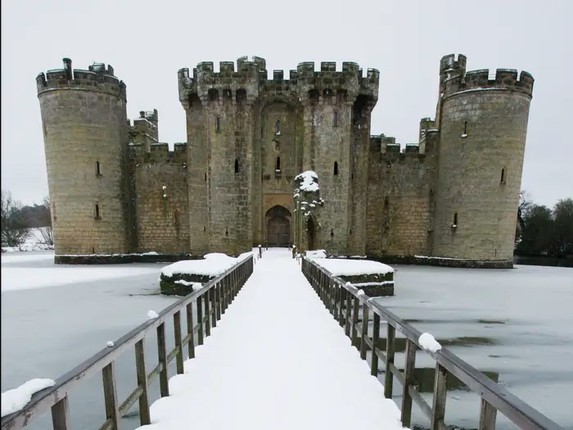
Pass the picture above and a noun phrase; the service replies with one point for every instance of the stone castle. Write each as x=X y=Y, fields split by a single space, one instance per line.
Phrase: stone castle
x=451 y=197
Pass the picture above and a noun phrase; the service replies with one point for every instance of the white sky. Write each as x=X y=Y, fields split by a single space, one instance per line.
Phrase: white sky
x=147 y=42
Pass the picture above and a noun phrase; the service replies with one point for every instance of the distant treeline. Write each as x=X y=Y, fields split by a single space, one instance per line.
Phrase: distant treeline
x=34 y=216
x=545 y=232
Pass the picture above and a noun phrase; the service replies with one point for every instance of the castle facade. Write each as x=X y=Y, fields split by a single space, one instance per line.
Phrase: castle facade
x=452 y=196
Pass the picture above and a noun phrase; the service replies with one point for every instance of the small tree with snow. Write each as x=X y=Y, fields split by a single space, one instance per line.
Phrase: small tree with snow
x=307 y=200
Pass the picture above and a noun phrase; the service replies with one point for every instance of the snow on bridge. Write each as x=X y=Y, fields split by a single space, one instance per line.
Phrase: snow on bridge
x=276 y=360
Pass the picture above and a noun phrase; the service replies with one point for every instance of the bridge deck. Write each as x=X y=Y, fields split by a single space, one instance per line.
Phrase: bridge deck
x=276 y=360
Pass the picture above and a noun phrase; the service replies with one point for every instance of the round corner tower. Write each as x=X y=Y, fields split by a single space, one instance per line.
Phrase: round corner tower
x=84 y=121
x=482 y=122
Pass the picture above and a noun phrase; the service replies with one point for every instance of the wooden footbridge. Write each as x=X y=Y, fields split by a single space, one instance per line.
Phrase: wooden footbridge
x=287 y=318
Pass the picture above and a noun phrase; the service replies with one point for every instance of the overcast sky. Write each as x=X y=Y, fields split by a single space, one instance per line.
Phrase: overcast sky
x=148 y=41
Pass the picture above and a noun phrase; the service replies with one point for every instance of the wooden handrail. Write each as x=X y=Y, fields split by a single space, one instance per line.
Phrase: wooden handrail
x=207 y=303
x=348 y=305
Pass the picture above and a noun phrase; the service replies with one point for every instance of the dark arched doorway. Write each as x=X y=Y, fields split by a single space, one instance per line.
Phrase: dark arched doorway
x=278 y=226
x=311 y=234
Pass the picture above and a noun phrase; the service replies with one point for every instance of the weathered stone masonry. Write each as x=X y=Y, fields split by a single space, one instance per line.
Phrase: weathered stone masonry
x=453 y=195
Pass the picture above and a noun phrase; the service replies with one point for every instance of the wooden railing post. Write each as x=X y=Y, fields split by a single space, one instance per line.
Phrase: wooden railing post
x=190 y=330
x=225 y=294
x=364 y=334
x=347 y=312
x=110 y=395
x=162 y=354
x=144 y=417
x=178 y=341
x=212 y=294
x=207 y=314
x=218 y=300
x=353 y=330
x=61 y=414
x=487 y=416
x=375 y=339
x=439 y=403
x=409 y=366
x=200 y=320
x=390 y=350
x=340 y=307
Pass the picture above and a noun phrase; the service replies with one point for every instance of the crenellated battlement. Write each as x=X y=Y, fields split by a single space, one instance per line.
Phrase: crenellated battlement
x=252 y=77
x=158 y=153
x=387 y=148
x=98 y=78
x=454 y=78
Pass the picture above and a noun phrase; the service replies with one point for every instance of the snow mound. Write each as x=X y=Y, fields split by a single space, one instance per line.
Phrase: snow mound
x=429 y=343
x=15 y=399
x=212 y=264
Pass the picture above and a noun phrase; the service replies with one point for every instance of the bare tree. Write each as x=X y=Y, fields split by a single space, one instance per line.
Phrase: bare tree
x=13 y=230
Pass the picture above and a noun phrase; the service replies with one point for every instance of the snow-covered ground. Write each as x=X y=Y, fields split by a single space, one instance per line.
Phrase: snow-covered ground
x=514 y=322
x=36 y=240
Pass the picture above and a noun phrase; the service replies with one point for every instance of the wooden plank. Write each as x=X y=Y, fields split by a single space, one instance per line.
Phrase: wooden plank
x=213 y=304
x=364 y=330
x=110 y=395
x=353 y=330
x=420 y=401
x=208 y=315
x=390 y=351
x=409 y=367
x=162 y=355
x=375 y=338
x=190 y=331
x=200 y=320
x=61 y=414
x=130 y=401
x=487 y=416
x=347 y=313
x=341 y=305
x=439 y=402
x=178 y=345
x=144 y=417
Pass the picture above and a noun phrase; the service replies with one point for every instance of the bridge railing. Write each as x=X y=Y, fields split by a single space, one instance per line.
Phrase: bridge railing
x=353 y=311
x=207 y=304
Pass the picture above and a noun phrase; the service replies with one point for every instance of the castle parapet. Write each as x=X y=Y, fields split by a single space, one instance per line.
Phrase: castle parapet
x=250 y=76
x=455 y=79
x=98 y=78
x=158 y=153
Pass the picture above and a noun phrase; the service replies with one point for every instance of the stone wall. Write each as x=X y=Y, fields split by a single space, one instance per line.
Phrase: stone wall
x=400 y=195
x=161 y=199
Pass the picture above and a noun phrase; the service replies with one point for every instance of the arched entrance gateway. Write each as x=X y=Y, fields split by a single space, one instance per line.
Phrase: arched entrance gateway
x=278 y=220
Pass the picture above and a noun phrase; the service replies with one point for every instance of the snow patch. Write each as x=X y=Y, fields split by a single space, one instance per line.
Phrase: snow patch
x=151 y=315
x=429 y=343
x=212 y=264
x=15 y=399
x=345 y=267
